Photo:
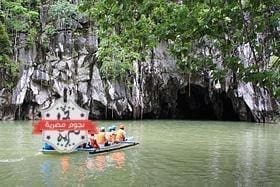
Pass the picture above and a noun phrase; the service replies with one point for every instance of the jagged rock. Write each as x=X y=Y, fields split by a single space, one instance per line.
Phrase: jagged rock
x=22 y=86
x=257 y=100
x=97 y=87
x=41 y=77
x=80 y=45
x=91 y=43
x=156 y=90
x=7 y=108
x=117 y=98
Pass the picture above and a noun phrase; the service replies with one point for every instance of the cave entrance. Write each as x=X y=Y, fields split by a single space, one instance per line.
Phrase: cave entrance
x=225 y=107
x=196 y=104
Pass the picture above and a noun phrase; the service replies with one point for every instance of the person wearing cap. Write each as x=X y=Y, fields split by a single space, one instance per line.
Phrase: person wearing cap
x=120 y=137
x=112 y=134
x=112 y=128
x=101 y=137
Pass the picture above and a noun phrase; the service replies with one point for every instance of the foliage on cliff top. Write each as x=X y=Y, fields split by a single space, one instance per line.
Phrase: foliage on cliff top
x=64 y=14
x=125 y=30
x=198 y=32
x=20 y=15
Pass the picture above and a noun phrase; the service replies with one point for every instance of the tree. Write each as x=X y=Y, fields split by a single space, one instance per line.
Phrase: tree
x=64 y=13
x=199 y=34
x=127 y=30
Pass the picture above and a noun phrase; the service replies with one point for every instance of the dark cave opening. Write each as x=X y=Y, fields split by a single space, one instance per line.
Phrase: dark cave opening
x=196 y=104
x=226 y=108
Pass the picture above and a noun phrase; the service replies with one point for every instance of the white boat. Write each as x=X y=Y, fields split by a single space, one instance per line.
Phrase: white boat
x=102 y=148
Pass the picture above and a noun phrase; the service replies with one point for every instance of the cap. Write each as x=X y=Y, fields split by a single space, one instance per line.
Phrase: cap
x=112 y=128
x=102 y=129
x=121 y=126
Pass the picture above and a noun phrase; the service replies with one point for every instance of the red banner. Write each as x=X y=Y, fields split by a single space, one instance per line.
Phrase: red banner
x=64 y=125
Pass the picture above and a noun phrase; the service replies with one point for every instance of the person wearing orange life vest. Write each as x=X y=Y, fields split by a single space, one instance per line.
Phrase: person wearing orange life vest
x=120 y=137
x=112 y=134
x=93 y=142
x=101 y=137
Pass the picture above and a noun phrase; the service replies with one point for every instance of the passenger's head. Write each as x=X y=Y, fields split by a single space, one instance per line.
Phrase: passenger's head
x=121 y=126
x=102 y=129
x=112 y=128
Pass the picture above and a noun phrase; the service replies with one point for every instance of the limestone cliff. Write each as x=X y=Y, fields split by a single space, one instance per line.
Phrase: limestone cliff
x=157 y=90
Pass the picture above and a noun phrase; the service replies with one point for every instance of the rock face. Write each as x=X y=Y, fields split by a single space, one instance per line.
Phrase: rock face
x=156 y=91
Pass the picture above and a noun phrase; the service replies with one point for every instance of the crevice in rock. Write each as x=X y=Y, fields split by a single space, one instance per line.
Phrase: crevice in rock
x=97 y=110
x=28 y=110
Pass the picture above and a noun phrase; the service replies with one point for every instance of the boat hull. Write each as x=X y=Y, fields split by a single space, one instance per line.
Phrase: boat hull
x=102 y=149
x=113 y=147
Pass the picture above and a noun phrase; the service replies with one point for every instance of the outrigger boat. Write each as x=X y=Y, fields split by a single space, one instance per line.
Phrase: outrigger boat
x=102 y=149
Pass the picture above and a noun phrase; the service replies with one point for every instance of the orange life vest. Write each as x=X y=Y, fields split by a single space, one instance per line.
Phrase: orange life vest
x=101 y=138
x=120 y=135
x=112 y=137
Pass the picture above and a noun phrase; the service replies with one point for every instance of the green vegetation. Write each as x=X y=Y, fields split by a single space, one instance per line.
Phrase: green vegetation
x=198 y=33
x=127 y=32
x=64 y=13
x=16 y=16
x=8 y=68
x=21 y=16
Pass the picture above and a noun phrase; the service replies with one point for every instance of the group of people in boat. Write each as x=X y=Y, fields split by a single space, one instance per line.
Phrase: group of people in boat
x=102 y=138
x=112 y=136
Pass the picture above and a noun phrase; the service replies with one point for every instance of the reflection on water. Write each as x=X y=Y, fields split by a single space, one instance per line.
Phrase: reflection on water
x=64 y=163
x=46 y=171
x=171 y=153
x=104 y=161
x=214 y=160
x=81 y=172
x=64 y=168
x=90 y=164
x=100 y=162
x=119 y=159
x=86 y=164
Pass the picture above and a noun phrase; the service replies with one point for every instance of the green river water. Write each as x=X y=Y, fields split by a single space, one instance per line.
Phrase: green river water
x=170 y=153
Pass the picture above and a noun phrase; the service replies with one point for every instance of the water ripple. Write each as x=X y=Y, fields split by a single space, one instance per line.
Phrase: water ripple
x=11 y=160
